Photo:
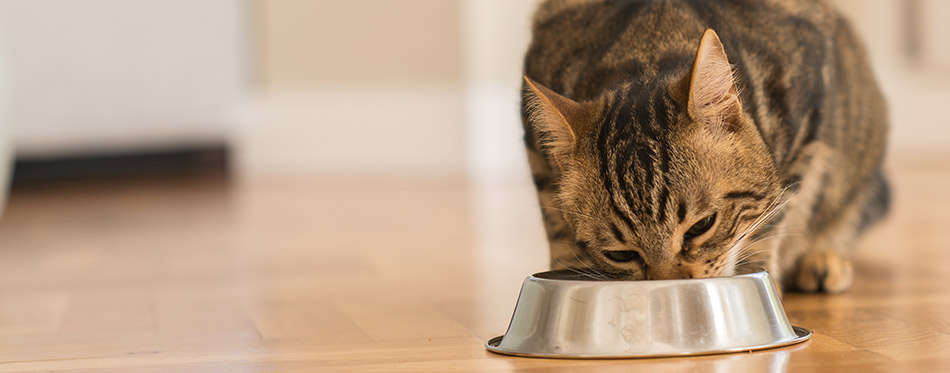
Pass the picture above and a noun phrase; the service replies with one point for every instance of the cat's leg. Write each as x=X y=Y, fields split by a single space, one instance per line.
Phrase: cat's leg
x=819 y=258
x=826 y=214
x=804 y=184
x=827 y=266
x=824 y=270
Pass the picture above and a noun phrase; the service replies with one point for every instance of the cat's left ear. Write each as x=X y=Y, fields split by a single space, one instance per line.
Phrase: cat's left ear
x=713 y=97
x=561 y=120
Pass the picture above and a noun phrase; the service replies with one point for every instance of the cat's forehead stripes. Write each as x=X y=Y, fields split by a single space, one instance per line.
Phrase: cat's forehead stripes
x=634 y=155
x=605 y=160
x=745 y=194
x=618 y=235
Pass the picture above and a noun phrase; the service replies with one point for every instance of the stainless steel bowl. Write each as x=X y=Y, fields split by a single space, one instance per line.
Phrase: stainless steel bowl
x=564 y=315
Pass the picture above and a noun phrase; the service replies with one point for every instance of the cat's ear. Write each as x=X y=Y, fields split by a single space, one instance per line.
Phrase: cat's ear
x=561 y=120
x=713 y=97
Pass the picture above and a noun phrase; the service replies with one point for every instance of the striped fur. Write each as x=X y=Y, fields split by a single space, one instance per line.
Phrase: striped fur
x=636 y=128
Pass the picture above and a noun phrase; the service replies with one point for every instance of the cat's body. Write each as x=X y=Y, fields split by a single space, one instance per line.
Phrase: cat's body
x=649 y=163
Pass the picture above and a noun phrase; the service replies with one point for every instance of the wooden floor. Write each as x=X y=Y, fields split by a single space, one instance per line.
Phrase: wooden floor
x=203 y=274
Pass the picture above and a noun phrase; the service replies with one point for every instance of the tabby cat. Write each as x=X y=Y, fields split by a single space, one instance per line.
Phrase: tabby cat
x=697 y=138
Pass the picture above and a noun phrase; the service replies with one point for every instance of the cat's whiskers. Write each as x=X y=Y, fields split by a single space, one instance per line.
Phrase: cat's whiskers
x=590 y=271
x=571 y=267
x=579 y=270
x=739 y=249
x=752 y=263
x=745 y=250
x=770 y=211
x=593 y=272
x=751 y=255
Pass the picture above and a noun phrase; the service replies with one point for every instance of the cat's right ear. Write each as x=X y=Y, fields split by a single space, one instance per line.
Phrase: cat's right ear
x=713 y=96
x=561 y=121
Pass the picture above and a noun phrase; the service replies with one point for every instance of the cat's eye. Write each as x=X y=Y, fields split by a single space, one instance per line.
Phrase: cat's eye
x=623 y=256
x=700 y=227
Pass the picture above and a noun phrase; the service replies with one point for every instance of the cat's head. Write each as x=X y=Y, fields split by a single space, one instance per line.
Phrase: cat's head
x=660 y=181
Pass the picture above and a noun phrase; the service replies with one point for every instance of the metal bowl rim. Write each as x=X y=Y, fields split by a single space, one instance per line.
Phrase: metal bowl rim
x=535 y=277
x=802 y=335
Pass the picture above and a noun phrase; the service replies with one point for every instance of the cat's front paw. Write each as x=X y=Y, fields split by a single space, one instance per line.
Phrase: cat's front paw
x=826 y=271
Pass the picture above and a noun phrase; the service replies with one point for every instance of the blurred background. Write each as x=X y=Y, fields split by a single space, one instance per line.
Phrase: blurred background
x=335 y=88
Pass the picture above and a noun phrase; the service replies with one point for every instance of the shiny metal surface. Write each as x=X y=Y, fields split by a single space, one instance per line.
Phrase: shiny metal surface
x=563 y=315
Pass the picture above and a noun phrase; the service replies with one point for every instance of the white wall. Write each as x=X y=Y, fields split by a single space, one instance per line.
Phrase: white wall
x=355 y=89
x=351 y=133
x=495 y=35
x=917 y=87
x=113 y=75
